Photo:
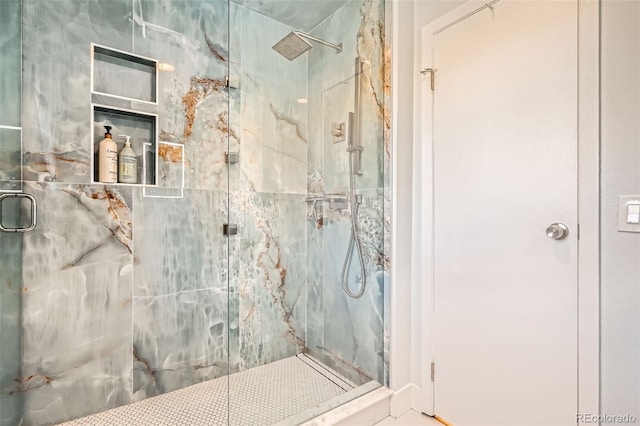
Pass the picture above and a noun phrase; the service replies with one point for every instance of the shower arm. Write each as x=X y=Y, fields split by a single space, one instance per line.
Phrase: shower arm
x=338 y=47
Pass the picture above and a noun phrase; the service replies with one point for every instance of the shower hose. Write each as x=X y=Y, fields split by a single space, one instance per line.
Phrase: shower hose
x=354 y=240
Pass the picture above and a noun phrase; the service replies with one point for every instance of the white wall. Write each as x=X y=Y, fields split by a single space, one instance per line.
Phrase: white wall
x=425 y=12
x=402 y=146
x=620 y=287
x=407 y=360
x=620 y=174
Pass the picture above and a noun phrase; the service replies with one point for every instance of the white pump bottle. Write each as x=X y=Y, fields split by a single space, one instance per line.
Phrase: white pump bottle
x=108 y=159
x=127 y=163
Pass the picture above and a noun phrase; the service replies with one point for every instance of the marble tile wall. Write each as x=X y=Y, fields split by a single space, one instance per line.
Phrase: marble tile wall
x=387 y=189
x=268 y=256
x=126 y=292
x=274 y=125
x=269 y=283
x=348 y=334
x=10 y=60
x=10 y=244
x=180 y=291
x=10 y=93
x=194 y=105
x=56 y=82
x=76 y=309
x=10 y=312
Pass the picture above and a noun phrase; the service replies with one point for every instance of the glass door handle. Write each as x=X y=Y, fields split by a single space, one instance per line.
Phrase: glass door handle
x=34 y=218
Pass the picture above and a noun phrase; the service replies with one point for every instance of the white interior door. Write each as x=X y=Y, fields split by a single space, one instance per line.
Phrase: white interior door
x=504 y=169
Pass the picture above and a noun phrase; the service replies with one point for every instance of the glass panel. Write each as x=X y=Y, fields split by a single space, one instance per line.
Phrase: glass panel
x=120 y=293
x=11 y=244
x=10 y=52
x=76 y=308
x=10 y=307
x=351 y=339
x=128 y=292
x=303 y=345
x=10 y=152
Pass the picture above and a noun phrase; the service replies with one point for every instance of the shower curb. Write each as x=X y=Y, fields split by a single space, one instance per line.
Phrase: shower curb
x=368 y=409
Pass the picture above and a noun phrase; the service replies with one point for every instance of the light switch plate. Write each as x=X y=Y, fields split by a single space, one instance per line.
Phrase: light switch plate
x=626 y=213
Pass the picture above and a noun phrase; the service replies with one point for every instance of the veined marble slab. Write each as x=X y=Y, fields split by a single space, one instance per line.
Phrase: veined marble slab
x=10 y=148
x=10 y=52
x=315 y=286
x=271 y=275
x=192 y=38
x=353 y=327
x=179 y=245
x=10 y=317
x=362 y=38
x=125 y=297
x=274 y=125
x=346 y=333
x=56 y=82
x=179 y=339
x=76 y=313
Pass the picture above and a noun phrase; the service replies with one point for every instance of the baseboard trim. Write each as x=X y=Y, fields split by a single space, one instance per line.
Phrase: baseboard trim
x=402 y=400
x=443 y=421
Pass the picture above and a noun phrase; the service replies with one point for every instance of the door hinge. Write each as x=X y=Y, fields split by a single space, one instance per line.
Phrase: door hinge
x=433 y=371
x=578 y=229
x=231 y=157
x=432 y=76
x=229 y=229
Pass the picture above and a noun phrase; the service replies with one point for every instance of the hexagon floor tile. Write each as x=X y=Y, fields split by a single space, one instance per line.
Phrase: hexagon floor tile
x=260 y=396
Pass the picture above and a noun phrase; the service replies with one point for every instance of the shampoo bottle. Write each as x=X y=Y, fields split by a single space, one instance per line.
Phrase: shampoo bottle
x=128 y=163
x=108 y=159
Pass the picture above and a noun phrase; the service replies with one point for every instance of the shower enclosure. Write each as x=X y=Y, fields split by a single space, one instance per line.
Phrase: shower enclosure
x=262 y=191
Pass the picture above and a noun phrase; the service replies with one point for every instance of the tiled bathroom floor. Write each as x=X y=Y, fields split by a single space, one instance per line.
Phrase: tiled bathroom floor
x=410 y=418
x=260 y=396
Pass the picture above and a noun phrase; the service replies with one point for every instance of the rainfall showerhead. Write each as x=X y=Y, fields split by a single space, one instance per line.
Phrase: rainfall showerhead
x=294 y=44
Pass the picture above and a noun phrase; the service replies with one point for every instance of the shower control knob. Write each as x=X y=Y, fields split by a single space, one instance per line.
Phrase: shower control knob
x=557 y=231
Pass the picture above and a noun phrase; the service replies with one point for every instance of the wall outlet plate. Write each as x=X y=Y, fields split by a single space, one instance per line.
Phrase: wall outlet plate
x=627 y=209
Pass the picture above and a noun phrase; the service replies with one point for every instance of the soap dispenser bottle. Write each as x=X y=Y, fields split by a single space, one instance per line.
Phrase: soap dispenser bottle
x=128 y=163
x=108 y=159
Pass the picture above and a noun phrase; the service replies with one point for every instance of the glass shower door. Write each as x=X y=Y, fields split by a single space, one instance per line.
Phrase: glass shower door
x=10 y=213
x=267 y=193
x=10 y=311
x=299 y=344
x=120 y=292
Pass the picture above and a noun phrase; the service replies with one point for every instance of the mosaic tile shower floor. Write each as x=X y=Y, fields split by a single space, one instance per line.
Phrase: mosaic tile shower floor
x=260 y=396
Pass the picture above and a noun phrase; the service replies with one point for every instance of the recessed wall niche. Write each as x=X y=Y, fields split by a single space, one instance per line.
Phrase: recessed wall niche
x=123 y=75
x=142 y=130
x=124 y=95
